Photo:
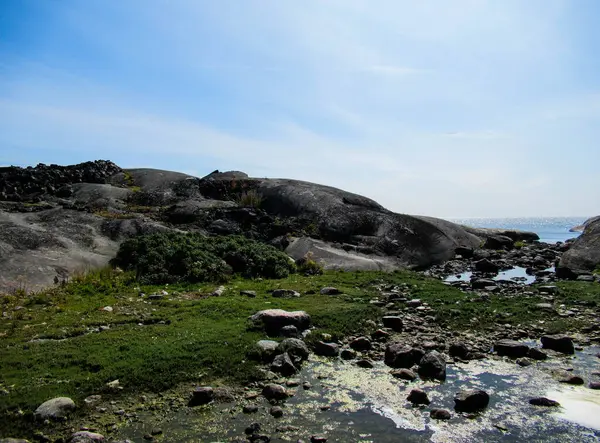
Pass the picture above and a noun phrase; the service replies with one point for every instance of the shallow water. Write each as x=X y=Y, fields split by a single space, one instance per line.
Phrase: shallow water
x=516 y=274
x=369 y=405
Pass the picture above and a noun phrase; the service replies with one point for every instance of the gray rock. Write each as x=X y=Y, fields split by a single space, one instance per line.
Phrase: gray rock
x=276 y=411
x=594 y=385
x=486 y=265
x=282 y=364
x=393 y=322
x=459 y=350
x=361 y=344
x=330 y=291
x=433 y=365
x=272 y=320
x=318 y=439
x=274 y=392
x=471 y=400
x=537 y=354
x=398 y=355
x=348 y=354
x=524 y=362
x=558 y=343
x=250 y=294
x=13 y=440
x=285 y=293
x=326 y=349
x=290 y=331
x=296 y=348
x=266 y=349
x=201 y=396
x=583 y=257
x=548 y=289
x=418 y=397
x=86 y=437
x=571 y=379
x=54 y=409
x=415 y=303
x=511 y=348
x=250 y=409
x=365 y=363
x=543 y=401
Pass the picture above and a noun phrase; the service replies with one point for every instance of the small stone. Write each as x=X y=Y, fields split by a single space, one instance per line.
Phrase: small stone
x=276 y=411
x=282 y=364
x=250 y=294
x=348 y=354
x=558 y=343
x=595 y=385
x=326 y=349
x=107 y=308
x=433 y=365
x=524 y=362
x=330 y=291
x=414 y=303
x=254 y=428
x=86 y=437
x=55 y=409
x=404 y=374
x=440 y=414
x=418 y=397
x=572 y=379
x=289 y=331
x=365 y=363
x=306 y=385
x=218 y=292
x=361 y=344
x=459 y=350
x=318 y=439
x=537 y=354
x=511 y=348
x=156 y=431
x=393 y=322
x=250 y=409
x=274 y=392
x=285 y=293
x=543 y=401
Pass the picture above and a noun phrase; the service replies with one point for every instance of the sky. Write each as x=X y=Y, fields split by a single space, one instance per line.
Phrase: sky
x=462 y=108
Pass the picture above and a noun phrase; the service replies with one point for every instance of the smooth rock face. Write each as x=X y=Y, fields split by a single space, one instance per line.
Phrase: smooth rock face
x=471 y=400
x=56 y=408
x=201 y=396
x=511 y=348
x=558 y=343
x=86 y=437
x=433 y=365
x=272 y=320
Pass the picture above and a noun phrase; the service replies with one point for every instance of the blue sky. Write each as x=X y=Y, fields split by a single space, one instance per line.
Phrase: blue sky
x=458 y=108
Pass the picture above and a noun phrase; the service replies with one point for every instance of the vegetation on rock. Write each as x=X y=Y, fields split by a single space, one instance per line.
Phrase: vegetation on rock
x=190 y=257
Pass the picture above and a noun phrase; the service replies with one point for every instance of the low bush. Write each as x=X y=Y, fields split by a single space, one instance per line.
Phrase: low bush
x=180 y=257
x=308 y=266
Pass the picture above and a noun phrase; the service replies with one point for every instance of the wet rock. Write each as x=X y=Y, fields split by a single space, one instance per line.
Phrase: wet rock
x=285 y=293
x=433 y=365
x=393 y=322
x=548 y=289
x=537 y=354
x=201 y=396
x=471 y=400
x=282 y=364
x=250 y=294
x=254 y=428
x=55 y=409
x=330 y=291
x=380 y=334
x=361 y=344
x=250 y=409
x=318 y=439
x=326 y=349
x=511 y=348
x=464 y=252
x=398 y=355
x=524 y=362
x=365 y=363
x=295 y=347
x=418 y=397
x=273 y=391
x=594 y=385
x=459 y=350
x=13 y=440
x=486 y=265
x=558 y=343
x=86 y=437
x=571 y=379
x=289 y=331
x=543 y=401
x=414 y=303
x=483 y=283
x=404 y=374
x=306 y=385
x=276 y=411
x=440 y=414
x=272 y=320
x=348 y=354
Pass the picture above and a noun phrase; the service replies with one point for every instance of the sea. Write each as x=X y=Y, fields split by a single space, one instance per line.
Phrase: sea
x=550 y=229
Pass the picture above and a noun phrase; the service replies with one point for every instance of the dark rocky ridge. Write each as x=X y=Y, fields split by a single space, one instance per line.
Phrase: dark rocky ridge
x=583 y=257
x=56 y=220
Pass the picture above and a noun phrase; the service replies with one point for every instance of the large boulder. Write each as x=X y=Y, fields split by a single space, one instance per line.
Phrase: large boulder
x=583 y=256
x=558 y=343
x=272 y=320
x=295 y=347
x=510 y=348
x=471 y=400
x=54 y=409
x=433 y=365
x=398 y=355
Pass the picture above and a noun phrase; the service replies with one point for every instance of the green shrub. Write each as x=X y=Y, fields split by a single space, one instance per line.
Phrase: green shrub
x=180 y=257
x=250 y=199
x=308 y=266
x=519 y=244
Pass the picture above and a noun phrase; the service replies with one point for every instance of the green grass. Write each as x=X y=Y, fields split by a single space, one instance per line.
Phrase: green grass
x=204 y=337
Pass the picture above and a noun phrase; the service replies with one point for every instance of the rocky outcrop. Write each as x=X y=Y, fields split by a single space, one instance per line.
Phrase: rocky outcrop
x=581 y=227
x=59 y=220
x=583 y=257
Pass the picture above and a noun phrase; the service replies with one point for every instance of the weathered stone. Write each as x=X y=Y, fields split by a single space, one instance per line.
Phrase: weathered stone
x=282 y=364
x=348 y=354
x=537 y=354
x=404 y=374
x=440 y=414
x=285 y=293
x=365 y=363
x=433 y=365
x=289 y=331
x=361 y=344
x=318 y=439
x=594 y=385
x=393 y=322
x=250 y=294
x=276 y=411
x=524 y=362
x=266 y=349
x=471 y=400
x=571 y=379
x=330 y=291
x=511 y=348
x=86 y=437
x=486 y=265
x=295 y=347
x=418 y=397
x=398 y=355
x=55 y=409
x=250 y=409
x=326 y=349
x=459 y=350
x=272 y=320
x=558 y=343
x=543 y=401
x=201 y=396
x=274 y=392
